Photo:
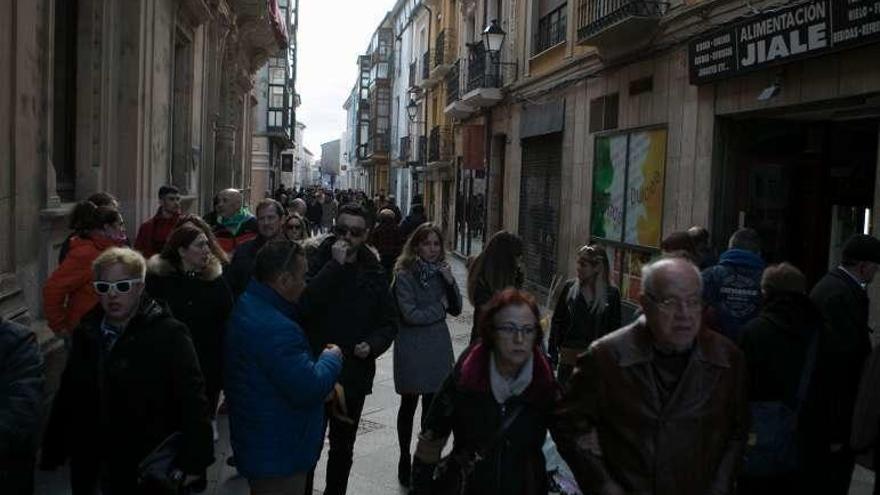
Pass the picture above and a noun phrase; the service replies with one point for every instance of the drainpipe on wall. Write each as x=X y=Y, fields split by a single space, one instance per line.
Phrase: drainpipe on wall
x=488 y=139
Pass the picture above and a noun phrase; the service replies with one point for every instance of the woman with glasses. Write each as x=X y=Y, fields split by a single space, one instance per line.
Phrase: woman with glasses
x=497 y=403
x=588 y=308
x=188 y=277
x=68 y=293
x=496 y=268
x=132 y=379
x=426 y=292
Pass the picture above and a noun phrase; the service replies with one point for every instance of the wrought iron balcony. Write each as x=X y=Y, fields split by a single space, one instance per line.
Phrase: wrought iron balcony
x=453 y=83
x=552 y=30
x=404 y=151
x=422 y=158
x=486 y=75
x=616 y=23
x=440 y=48
x=440 y=144
x=426 y=65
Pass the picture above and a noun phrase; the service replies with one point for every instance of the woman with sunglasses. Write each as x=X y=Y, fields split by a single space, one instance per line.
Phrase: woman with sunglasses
x=588 y=308
x=497 y=403
x=68 y=293
x=426 y=292
x=132 y=379
x=188 y=277
x=295 y=228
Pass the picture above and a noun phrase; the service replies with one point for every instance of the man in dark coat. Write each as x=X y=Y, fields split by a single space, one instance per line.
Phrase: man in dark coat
x=270 y=220
x=843 y=300
x=415 y=218
x=132 y=379
x=732 y=288
x=348 y=303
x=658 y=406
x=387 y=240
x=154 y=232
x=21 y=406
x=778 y=347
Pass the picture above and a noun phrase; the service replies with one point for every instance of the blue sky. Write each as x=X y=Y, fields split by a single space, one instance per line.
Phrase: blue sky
x=332 y=33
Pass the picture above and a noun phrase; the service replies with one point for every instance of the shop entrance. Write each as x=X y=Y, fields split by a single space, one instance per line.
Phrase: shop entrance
x=805 y=185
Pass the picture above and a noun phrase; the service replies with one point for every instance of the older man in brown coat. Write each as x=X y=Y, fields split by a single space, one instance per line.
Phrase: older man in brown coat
x=659 y=406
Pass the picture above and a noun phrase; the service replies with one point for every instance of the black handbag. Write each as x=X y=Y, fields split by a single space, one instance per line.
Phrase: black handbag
x=453 y=472
x=157 y=470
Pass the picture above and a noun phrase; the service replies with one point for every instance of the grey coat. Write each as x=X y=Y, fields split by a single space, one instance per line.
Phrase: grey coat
x=423 y=355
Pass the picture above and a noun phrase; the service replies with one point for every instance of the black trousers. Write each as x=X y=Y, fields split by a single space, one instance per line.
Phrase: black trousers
x=342 y=437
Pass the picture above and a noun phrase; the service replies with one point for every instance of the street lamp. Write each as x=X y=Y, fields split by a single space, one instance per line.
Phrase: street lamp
x=412 y=110
x=493 y=37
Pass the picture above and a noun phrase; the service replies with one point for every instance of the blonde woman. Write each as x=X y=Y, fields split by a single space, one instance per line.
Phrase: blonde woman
x=425 y=291
x=588 y=308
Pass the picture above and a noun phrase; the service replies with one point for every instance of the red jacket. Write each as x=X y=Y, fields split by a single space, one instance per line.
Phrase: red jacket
x=68 y=293
x=229 y=241
x=153 y=233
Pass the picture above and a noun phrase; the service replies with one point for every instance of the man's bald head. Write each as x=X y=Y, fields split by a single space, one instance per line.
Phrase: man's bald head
x=230 y=201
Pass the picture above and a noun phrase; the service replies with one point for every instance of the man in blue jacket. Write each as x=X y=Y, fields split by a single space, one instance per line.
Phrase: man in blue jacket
x=274 y=387
x=732 y=288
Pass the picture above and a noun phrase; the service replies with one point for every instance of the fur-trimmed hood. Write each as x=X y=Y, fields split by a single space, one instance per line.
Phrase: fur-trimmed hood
x=161 y=267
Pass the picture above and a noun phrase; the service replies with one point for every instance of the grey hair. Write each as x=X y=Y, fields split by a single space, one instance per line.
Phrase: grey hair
x=649 y=270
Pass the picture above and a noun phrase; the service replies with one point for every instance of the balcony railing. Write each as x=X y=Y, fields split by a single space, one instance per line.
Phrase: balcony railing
x=552 y=30
x=440 y=49
x=426 y=65
x=404 y=152
x=440 y=144
x=594 y=16
x=453 y=83
x=413 y=72
x=484 y=68
x=423 y=150
x=378 y=143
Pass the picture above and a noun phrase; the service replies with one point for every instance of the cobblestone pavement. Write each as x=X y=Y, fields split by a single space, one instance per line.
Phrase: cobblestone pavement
x=376 y=452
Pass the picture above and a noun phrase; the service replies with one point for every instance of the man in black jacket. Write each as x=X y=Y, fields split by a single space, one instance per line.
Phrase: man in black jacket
x=843 y=301
x=348 y=303
x=270 y=222
x=21 y=406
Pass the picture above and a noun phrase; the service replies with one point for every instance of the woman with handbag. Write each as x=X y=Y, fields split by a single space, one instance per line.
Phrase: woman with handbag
x=132 y=380
x=588 y=308
x=498 y=403
x=426 y=292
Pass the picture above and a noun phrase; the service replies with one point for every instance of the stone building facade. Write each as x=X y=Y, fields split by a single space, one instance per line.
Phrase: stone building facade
x=120 y=96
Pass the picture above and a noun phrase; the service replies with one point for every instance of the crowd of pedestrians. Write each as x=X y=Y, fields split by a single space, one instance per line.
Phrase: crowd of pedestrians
x=731 y=377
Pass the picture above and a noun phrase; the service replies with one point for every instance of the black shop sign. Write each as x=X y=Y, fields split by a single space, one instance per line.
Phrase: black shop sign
x=807 y=29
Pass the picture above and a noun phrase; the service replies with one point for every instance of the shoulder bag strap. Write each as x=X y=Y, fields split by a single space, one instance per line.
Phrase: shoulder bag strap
x=499 y=435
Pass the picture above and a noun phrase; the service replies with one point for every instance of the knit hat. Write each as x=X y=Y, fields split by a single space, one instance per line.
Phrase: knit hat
x=862 y=247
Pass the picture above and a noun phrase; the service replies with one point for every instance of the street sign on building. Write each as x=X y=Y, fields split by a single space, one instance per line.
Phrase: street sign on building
x=804 y=30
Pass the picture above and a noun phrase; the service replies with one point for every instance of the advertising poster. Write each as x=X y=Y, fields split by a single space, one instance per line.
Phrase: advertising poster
x=609 y=181
x=644 y=207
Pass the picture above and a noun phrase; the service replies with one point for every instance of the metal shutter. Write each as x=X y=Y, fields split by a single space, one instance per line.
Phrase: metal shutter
x=540 y=190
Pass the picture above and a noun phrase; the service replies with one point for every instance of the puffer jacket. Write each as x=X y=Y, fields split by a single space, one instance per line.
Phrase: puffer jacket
x=68 y=293
x=274 y=387
x=732 y=291
x=466 y=408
